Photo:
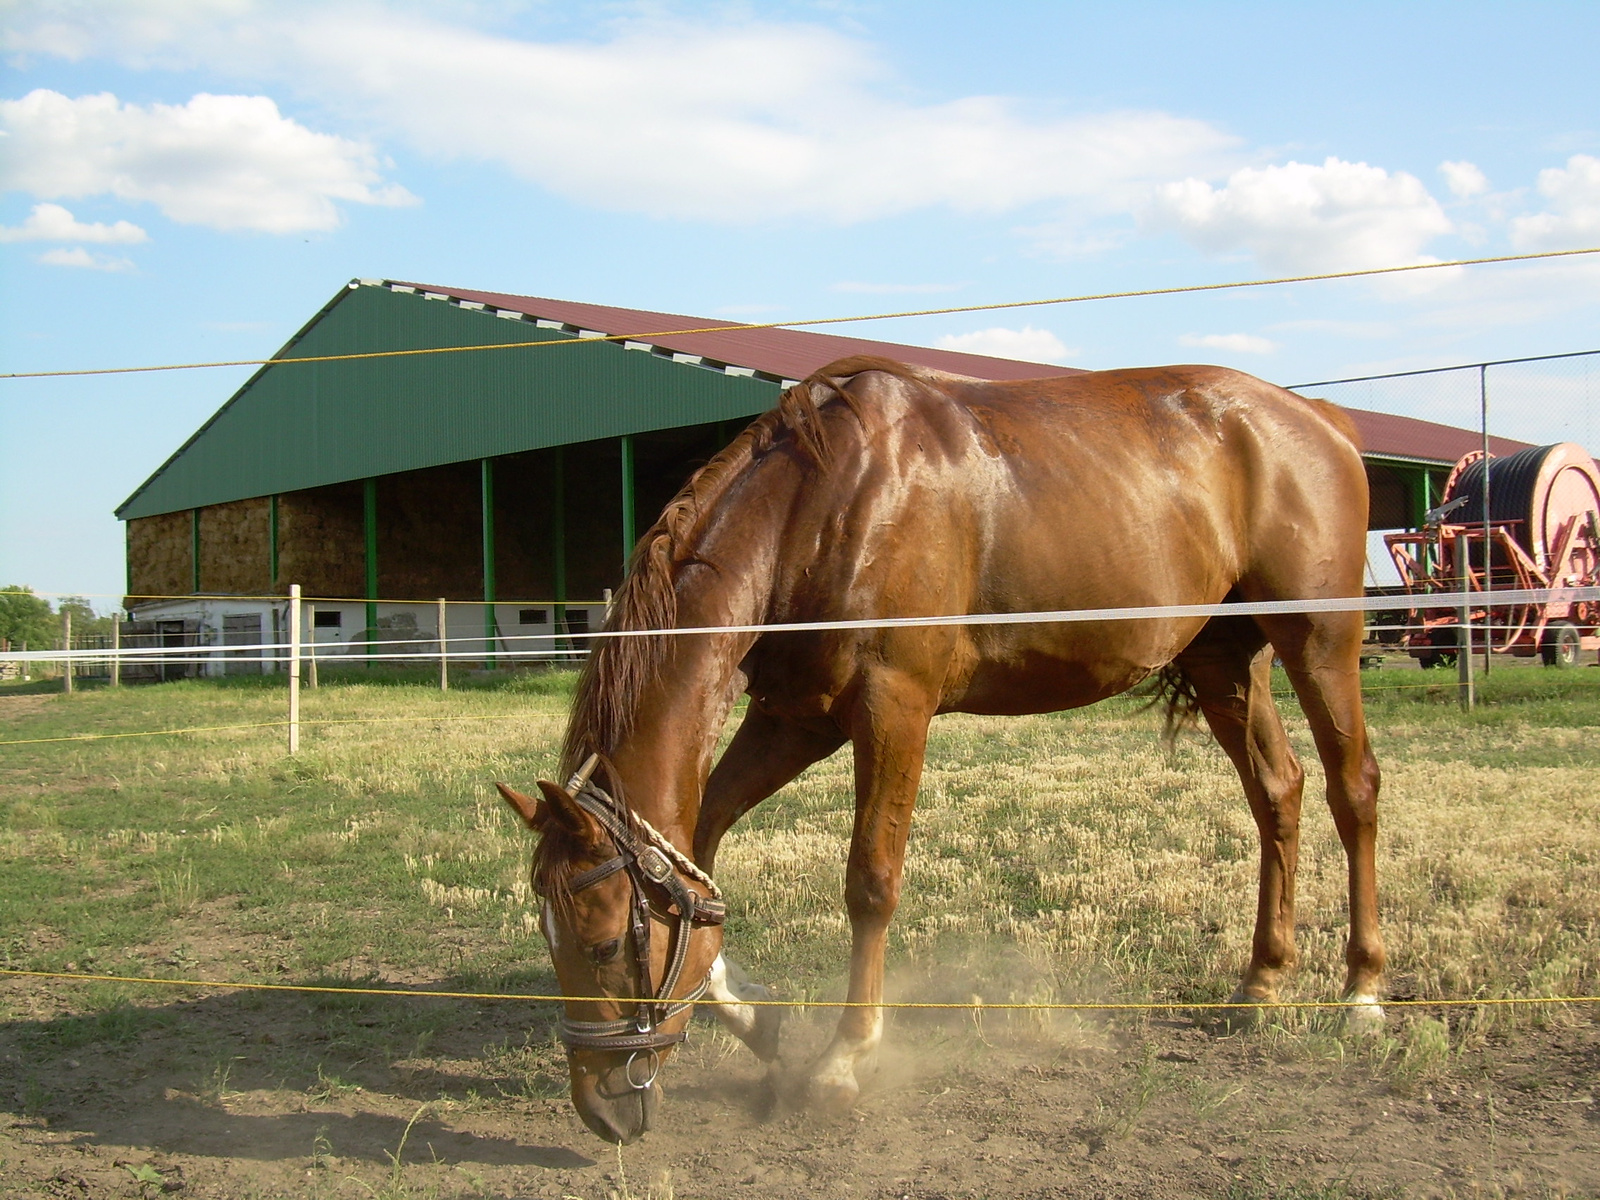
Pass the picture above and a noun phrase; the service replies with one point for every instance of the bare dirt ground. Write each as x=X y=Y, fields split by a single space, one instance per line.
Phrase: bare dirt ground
x=236 y=1096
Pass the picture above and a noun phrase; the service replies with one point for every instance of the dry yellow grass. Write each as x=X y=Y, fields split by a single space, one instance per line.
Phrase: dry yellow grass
x=1074 y=846
x=1062 y=857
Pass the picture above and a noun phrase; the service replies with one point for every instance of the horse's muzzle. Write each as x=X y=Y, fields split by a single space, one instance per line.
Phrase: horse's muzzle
x=614 y=1109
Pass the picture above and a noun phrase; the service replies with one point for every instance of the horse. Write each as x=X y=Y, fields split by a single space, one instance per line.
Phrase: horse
x=879 y=490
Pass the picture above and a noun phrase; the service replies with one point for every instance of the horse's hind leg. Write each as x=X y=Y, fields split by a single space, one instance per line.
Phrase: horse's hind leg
x=1232 y=680
x=1322 y=654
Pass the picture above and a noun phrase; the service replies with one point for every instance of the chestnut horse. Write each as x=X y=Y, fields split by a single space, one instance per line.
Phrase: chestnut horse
x=878 y=490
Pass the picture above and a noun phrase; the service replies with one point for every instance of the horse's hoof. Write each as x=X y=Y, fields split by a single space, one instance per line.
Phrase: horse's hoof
x=763 y=1039
x=1241 y=1020
x=833 y=1099
x=1364 y=1016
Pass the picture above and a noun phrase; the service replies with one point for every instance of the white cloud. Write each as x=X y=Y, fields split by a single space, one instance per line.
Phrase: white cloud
x=1026 y=344
x=699 y=117
x=1305 y=218
x=1464 y=179
x=894 y=289
x=52 y=223
x=1573 y=221
x=230 y=162
x=1232 y=343
x=79 y=257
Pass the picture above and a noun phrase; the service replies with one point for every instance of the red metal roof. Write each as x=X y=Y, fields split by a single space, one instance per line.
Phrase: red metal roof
x=795 y=353
x=783 y=353
x=1384 y=435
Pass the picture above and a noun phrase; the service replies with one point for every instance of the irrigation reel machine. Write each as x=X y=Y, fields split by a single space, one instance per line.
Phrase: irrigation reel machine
x=1542 y=531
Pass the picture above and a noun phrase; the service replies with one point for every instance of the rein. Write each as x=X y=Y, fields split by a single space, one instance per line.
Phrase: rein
x=651 y=862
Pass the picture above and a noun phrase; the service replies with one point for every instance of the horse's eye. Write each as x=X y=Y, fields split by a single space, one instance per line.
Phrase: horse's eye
x=605 y=951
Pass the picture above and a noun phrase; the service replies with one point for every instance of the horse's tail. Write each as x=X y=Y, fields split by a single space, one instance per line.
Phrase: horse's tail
x=1172 y=690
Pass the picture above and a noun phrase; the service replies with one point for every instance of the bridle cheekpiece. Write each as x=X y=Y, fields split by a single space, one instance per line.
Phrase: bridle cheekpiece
x=652 y=863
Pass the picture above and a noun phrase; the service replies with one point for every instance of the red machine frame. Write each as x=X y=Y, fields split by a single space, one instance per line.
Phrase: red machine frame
x=1449 y=557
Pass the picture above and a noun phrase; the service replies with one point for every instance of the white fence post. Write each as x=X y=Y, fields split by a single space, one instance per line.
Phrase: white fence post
x=116 y=649
x=444 y=659
x=294 y=668
x=66 y=645
x=1465 y=692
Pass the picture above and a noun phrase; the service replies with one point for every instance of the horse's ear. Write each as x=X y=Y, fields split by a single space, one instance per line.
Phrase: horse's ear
x=533 y=812
x=560 y=805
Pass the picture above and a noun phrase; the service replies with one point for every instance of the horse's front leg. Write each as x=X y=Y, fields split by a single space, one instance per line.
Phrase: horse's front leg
x=766 y=753
x=756 y=1025
x=890 y=735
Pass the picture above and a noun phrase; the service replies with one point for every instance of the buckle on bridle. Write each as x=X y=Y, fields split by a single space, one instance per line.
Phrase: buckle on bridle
x=654 y=865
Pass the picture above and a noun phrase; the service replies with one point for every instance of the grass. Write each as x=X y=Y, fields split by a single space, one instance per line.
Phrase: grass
x=1062 y=857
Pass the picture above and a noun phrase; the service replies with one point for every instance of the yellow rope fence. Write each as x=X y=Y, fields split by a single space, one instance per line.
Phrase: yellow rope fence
x=888 y=316
x=968 y=1005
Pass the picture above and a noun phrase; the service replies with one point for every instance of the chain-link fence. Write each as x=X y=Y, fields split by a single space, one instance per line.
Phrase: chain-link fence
x=1445 y=413
x=1551 y=398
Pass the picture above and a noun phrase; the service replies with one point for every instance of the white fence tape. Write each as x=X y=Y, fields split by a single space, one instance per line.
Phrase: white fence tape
x=325 y=651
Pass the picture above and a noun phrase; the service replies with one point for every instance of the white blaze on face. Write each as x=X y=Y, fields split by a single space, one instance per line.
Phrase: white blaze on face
x=547 y=918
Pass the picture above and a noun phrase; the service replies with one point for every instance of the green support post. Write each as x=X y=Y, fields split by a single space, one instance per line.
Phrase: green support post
x=369 y=522
x=1427 y=503
x=489 y=627
x=558 y=538
x=194 y=548
x=272 y=543
x=628 y=534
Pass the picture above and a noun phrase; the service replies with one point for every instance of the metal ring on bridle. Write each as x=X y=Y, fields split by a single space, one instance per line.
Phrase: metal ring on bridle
x=655 y=1069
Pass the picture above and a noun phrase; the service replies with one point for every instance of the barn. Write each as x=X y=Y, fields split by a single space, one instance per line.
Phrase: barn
x=512 y=481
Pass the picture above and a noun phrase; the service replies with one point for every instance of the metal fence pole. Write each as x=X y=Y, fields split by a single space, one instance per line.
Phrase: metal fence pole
x=294 y=668
x=444 y=653
x=66 y=646
x=1464 y=688
x=1488 y=562
x=311 y=647
x=116 y=649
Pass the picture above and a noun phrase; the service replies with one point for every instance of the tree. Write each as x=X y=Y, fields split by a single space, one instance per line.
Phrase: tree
x=84 y=620
x=25 y=617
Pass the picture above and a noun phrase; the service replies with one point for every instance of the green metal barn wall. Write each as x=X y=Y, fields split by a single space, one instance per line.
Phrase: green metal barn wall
x=294 y=427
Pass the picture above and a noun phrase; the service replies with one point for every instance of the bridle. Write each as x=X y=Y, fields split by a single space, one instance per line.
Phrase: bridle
x=650 y=862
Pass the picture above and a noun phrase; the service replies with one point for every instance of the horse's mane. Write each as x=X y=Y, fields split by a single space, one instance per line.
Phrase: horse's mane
x=619 y=669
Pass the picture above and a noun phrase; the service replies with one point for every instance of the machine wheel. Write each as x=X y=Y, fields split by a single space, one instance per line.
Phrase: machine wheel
x=1561 y=646
x=1437 y=658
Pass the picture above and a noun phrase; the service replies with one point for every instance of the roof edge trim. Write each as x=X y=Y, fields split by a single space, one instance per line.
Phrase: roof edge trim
x=255 y=376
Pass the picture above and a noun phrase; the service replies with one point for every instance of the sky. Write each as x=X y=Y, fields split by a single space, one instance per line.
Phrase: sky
x=189 y=180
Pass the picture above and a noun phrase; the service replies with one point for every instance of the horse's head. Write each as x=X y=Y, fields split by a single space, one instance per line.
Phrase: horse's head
x=633 y=928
